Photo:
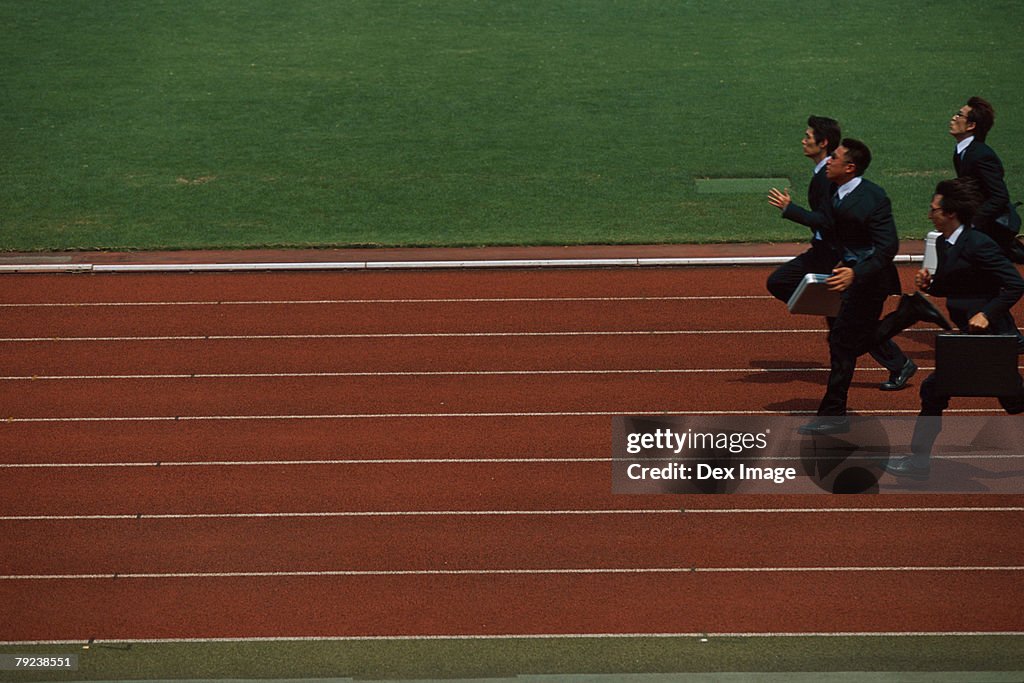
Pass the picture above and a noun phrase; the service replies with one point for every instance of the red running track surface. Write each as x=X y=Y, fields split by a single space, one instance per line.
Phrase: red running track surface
x=422 y=453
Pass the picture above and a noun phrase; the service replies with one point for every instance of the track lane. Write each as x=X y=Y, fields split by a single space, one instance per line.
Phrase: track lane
x=383 y=396
x=375 y=318
x=514 y=394
x=317 y=439
x=396 y=488
x=412 y=354
x=197 y=356
x=502 y=542
x=512 y=604
x=273 y=488
x=312 y=286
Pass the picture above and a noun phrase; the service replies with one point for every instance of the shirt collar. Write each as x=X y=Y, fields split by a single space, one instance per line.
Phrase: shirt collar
x=963 y=144
x=848 y=187
x=955 y=236
x=820 y=165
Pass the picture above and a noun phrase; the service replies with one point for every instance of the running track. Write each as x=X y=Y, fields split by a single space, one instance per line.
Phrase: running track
x=390 y=454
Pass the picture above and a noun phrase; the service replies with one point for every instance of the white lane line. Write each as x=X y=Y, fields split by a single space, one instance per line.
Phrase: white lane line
x=437 y=373
x=263 y=267
x=316 y=515
x=409 y=335
x=386 y=416
x=570 y=571
x=357 y=416
x=888 y=510
x=435 y=461
x=527 y=636
x=494 y=513
x=426 y=373
x=272 y=463
x=333 y=302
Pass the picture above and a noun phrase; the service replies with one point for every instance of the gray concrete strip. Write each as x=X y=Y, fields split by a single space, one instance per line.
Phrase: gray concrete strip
x=419 y=258
x=404 y=265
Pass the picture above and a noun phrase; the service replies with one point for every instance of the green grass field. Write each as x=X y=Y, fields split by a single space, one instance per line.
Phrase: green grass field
x=460 y=122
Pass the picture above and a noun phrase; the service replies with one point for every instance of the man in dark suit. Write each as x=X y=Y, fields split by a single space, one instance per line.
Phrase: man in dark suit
x=997 y=217
x=980 y=285
x=859 y=226
x=973 y=158
x=820 y=140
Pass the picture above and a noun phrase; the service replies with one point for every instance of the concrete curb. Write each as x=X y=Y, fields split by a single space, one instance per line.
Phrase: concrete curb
x=193 y=267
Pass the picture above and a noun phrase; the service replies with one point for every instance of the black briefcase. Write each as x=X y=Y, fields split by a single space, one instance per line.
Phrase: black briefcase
x=976 y=365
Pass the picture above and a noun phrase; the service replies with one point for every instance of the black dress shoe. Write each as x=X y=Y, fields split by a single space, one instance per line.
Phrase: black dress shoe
x=924 y=310
x=903 y=466
x=898 y=378
x=823 y=426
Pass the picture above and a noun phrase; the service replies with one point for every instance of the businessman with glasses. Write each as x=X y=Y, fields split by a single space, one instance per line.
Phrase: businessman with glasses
x=859 y=225
x=997 y=217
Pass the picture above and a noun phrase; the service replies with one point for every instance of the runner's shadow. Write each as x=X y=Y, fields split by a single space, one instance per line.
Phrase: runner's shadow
x=776 y=371
x=795 y=405
x=960 y=477
x=781 y=364
x=783 y=377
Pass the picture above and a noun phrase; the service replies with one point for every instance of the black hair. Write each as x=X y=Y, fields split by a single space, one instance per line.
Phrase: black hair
x=982 y=115
x=858 y=154
x=960 y=196
x=825 y=129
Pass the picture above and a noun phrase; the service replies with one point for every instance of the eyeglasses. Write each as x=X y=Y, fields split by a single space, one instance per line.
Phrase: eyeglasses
x=935 y=209
x=959 y=115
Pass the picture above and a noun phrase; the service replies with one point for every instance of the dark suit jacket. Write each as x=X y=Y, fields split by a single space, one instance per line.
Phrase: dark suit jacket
x=819 y=191
x=862 y=230
x=975 y=276
x=819 y=194
x=982 y=164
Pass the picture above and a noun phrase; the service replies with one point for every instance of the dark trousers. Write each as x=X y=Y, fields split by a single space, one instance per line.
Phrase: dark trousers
x=850 y=337
x=934 y=403
x=1003 y=232
x=820 y=259
x=786 y=278
x=1006 y=237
